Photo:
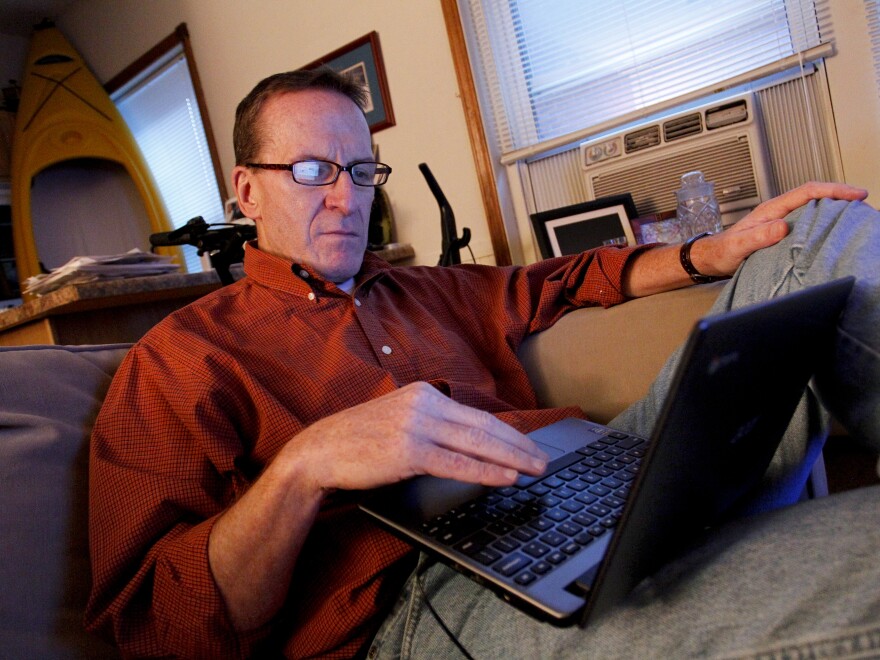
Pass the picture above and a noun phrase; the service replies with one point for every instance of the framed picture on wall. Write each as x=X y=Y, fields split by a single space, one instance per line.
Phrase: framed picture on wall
x=362 y=60
x=580 y=227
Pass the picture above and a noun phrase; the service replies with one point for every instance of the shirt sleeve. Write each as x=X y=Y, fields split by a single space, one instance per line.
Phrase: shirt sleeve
x=155 y=494
x=556 y=286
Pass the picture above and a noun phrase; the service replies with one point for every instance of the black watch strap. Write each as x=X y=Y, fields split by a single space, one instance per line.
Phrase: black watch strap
x=685 y=256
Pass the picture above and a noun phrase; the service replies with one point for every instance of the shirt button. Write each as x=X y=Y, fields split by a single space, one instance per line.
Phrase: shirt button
x=386 y=350
x=357 y=302
x=304 y=274
x=311 y=295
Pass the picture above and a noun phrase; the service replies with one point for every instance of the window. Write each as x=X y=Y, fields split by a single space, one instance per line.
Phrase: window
x=557 y=67
x=160 y=100
x=872 y=10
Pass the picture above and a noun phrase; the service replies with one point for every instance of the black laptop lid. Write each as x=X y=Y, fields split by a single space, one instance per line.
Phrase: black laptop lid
x=721 y=424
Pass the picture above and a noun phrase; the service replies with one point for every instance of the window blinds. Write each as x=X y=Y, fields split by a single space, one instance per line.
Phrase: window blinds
x=553 y=68
x=163 y=115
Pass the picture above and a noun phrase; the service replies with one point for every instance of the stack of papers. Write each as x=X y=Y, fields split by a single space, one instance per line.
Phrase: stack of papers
x=134 y=263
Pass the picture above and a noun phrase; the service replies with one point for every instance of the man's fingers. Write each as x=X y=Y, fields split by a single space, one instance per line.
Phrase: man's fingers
x=450 y=464
x=512 y=451
x=779 y=207
x=474 y=429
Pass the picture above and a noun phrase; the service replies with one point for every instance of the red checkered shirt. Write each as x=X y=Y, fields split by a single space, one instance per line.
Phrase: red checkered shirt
x=204 y=402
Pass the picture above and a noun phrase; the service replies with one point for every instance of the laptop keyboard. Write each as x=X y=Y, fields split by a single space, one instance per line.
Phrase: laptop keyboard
x=523 y=532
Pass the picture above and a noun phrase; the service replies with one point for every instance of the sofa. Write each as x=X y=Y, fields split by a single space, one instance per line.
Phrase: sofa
x=598 y=359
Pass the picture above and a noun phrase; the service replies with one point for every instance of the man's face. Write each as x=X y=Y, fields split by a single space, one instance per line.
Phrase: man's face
x=324 y=227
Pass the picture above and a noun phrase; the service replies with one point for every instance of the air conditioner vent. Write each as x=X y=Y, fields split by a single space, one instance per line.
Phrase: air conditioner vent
x=682 y=127
x=643 y=138
x=653 y=182
x=724 y=141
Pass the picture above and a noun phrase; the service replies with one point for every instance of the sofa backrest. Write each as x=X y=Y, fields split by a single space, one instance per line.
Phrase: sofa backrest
x=49 y=397
x=602 y=360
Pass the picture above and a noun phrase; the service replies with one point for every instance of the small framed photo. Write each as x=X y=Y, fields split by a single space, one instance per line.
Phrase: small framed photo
x=362 y=60
x=580 y=227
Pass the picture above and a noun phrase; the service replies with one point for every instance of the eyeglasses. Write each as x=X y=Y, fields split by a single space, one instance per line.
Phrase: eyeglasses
x=324 y=172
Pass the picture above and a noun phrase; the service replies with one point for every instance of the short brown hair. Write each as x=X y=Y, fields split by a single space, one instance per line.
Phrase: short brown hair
x=246 y=137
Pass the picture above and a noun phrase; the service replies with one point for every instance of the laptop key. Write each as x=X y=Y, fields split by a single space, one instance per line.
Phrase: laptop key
x=557 y=557
x=524 y=534
x=487 y=556
x=584 y=538
x=630 y=442
x=553 y=538
x=542 y=567
x=569 y=528
x=474 y=543
x=536 y=549
x=586 y=498
x=556 y=515
x=500 y=528
x=599 y=510
x=506 y=544
x=572 y=506
x=525 y=578
x=541 y=524
x=512 y=564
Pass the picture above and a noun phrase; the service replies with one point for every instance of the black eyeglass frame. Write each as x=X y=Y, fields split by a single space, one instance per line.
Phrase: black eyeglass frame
x=381 y=168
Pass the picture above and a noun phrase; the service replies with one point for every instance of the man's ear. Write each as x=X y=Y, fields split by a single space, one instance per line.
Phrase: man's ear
x=242 y=183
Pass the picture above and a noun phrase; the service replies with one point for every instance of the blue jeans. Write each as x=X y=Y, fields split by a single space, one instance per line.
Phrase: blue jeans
x=791 y=581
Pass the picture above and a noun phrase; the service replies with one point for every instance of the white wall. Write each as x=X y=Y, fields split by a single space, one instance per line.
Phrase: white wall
x=236 y=44
x=856 y=97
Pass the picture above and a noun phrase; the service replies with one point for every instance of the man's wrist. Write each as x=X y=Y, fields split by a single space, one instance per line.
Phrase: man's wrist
x=684 y=255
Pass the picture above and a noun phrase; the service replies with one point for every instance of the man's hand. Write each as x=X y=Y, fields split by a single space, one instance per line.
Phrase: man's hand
x=411 y=431
x=254 y=545
x=660 y=270
x=722 y=254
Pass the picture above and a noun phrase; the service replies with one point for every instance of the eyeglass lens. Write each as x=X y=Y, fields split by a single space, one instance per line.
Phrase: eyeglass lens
x=322 y=172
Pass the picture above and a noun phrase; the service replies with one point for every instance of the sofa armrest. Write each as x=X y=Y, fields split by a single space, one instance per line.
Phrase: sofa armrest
x=602 y=360
x=49 y=396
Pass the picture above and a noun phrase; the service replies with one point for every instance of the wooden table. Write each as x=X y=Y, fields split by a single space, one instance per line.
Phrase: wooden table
x=116 y=311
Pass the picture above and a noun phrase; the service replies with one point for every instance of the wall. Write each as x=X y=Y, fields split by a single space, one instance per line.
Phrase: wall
x=856 y=96
x=236 y=44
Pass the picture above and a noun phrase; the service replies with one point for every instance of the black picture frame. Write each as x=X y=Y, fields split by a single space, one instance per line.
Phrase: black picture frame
x=362 y=58
x=580 y=227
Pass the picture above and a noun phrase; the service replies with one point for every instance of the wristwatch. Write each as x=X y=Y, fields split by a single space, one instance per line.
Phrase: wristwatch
x=685 y=256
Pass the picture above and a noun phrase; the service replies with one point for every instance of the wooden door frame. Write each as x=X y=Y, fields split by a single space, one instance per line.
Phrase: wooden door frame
x=479 y=145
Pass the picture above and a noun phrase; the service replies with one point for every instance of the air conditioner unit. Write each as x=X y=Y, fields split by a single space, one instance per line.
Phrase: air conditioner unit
x=724 y=140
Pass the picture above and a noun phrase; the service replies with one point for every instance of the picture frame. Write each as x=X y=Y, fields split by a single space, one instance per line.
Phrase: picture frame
x=660 y=227
x=362 y=59
x=580 y=227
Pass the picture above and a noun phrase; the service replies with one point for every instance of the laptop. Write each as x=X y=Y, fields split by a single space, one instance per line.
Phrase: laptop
x=612 y=507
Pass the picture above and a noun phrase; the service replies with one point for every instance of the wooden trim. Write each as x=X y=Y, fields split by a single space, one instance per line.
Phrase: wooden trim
x=180 y=36
x=479 y=145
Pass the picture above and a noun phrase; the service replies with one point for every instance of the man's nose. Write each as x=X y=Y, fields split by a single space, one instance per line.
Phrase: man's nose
x=344 y=194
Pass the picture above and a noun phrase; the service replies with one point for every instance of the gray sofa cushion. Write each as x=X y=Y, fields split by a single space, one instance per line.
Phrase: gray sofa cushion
x=49 y=397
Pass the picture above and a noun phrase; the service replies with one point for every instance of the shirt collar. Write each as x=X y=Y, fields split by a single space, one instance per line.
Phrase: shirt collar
x=299 y=279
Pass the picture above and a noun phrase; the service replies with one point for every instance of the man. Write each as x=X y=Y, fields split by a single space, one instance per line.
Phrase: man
x=227 y=457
